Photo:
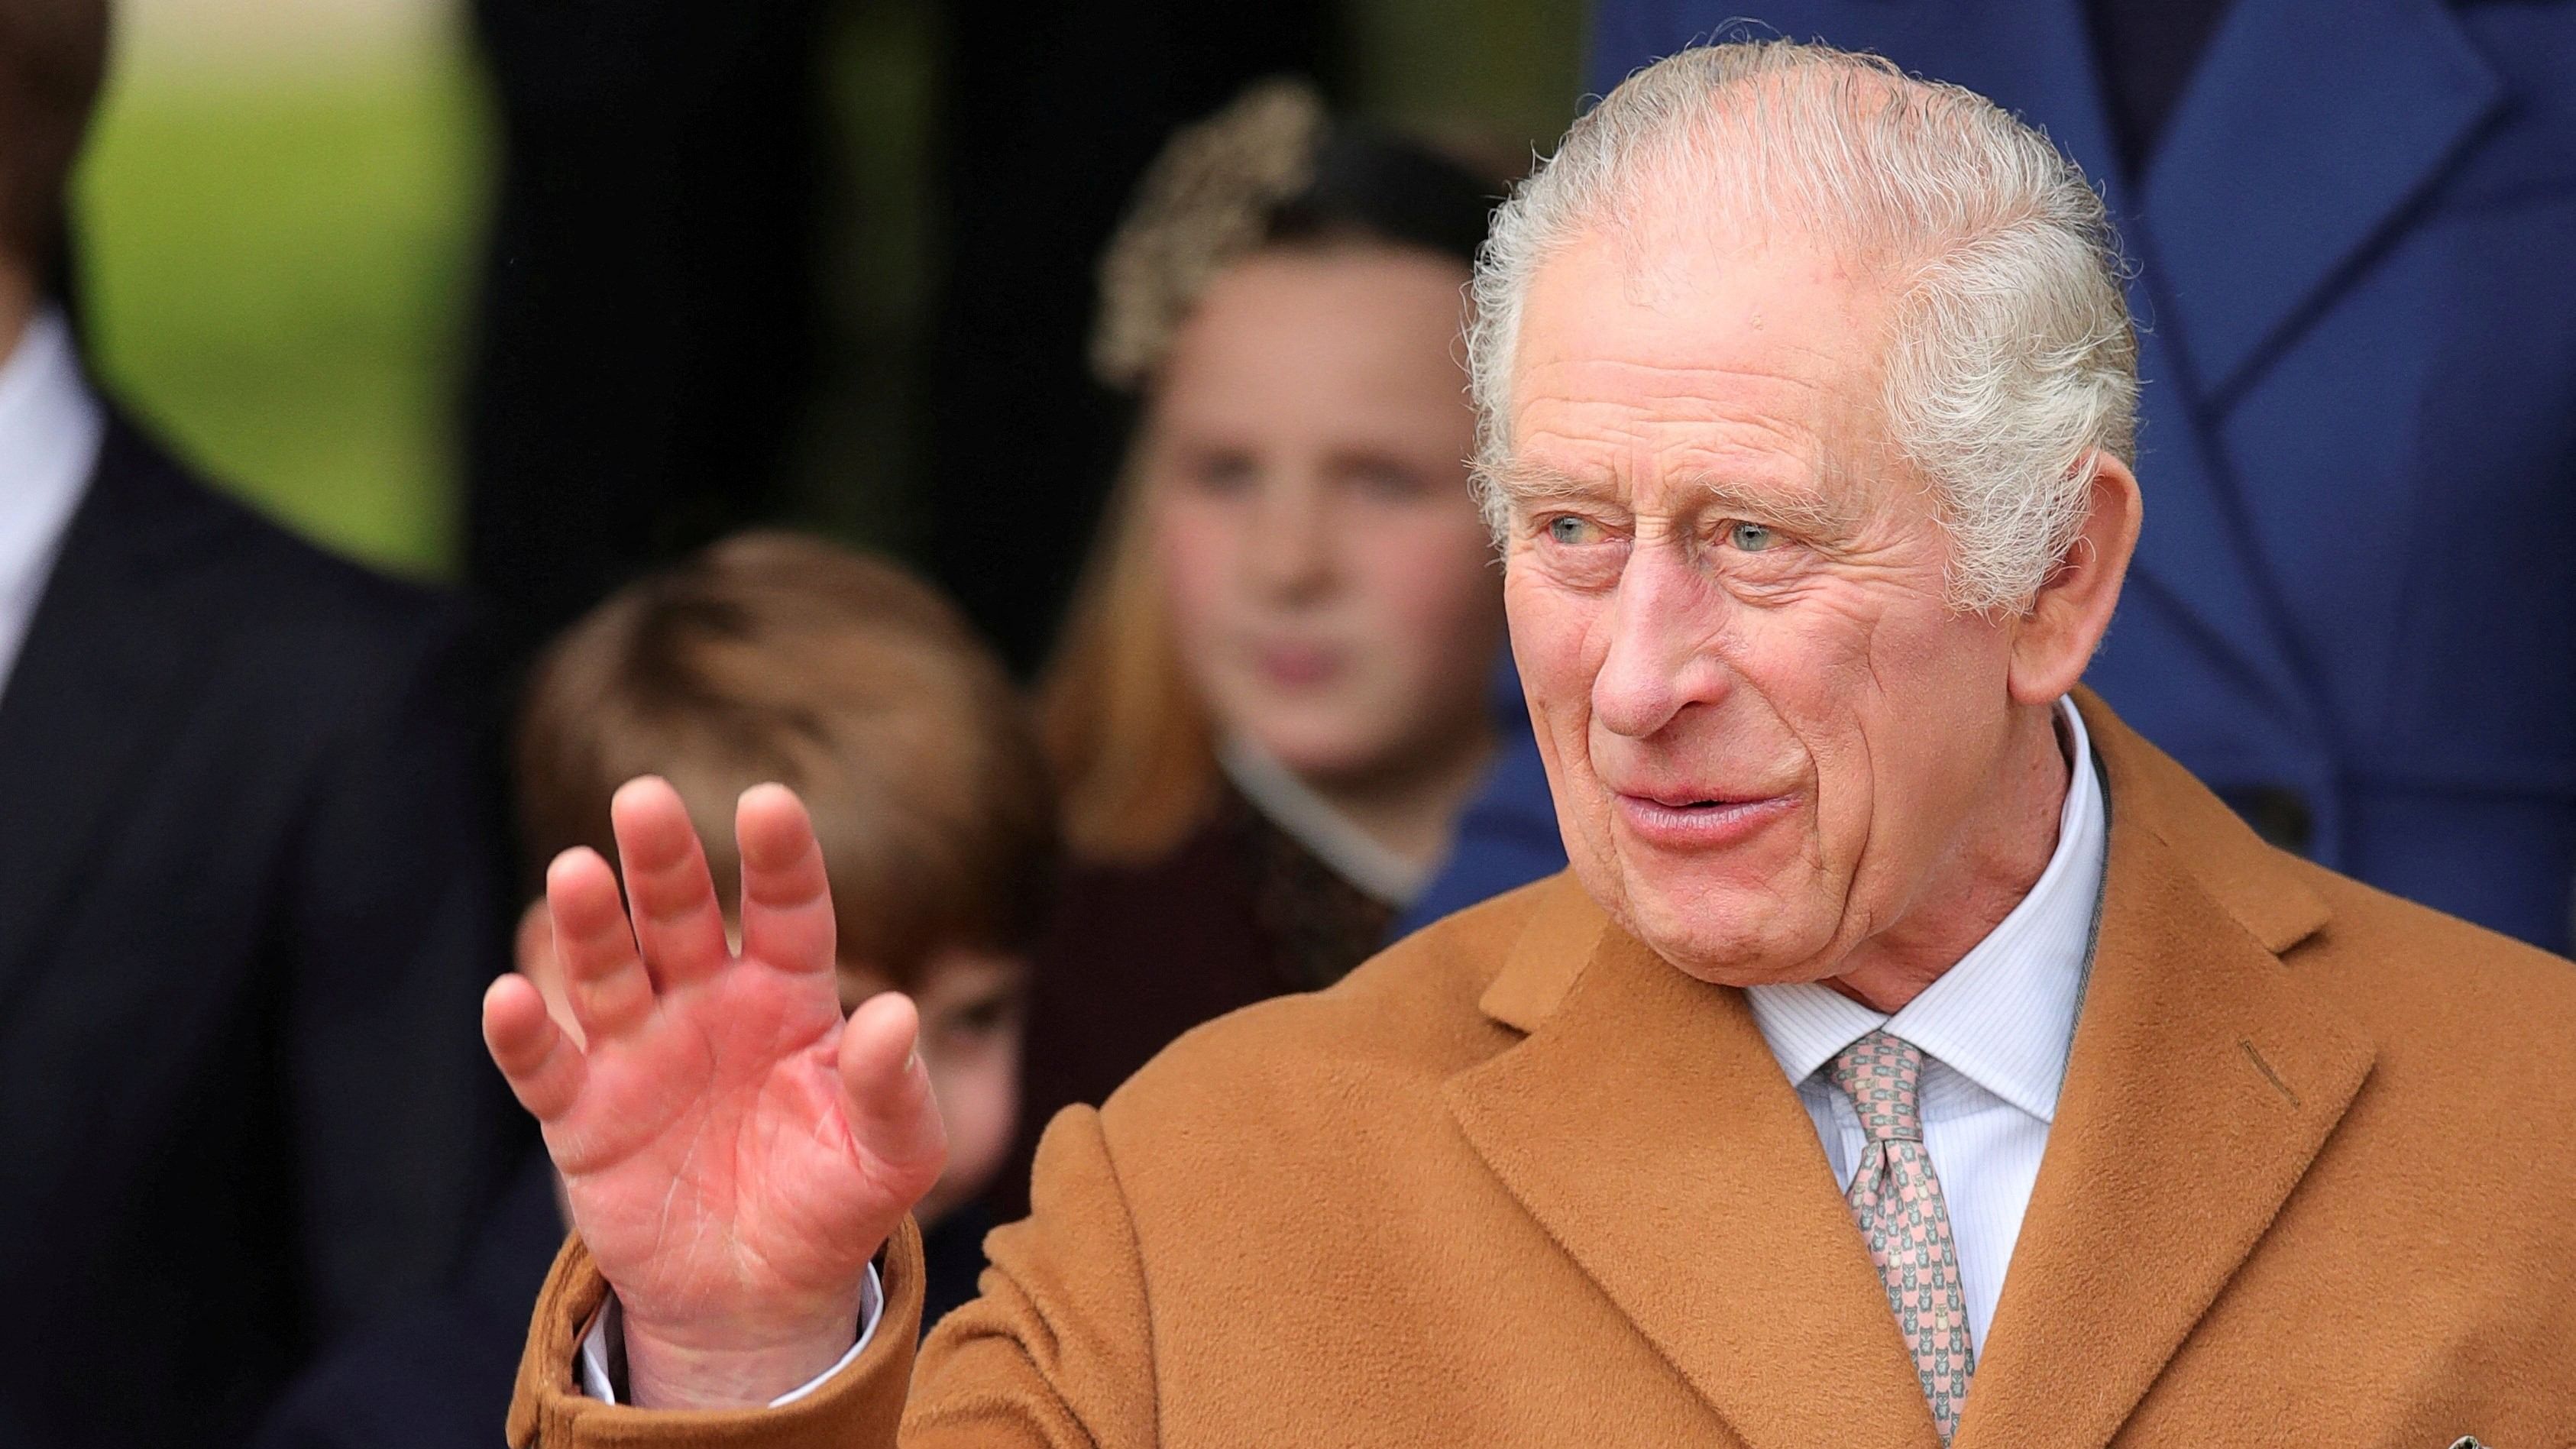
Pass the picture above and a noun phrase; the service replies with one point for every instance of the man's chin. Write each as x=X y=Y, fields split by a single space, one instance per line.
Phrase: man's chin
x=1726 y=938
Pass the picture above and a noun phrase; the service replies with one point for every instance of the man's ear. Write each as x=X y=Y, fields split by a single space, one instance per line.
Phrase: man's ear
x=2055 y=637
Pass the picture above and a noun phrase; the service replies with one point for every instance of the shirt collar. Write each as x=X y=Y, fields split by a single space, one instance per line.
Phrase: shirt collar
x=1311 y=821
x=50 y=429
x=2005 y=1015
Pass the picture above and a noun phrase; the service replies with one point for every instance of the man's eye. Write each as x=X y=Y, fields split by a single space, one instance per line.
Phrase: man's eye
x=1751 y=537
x=1571 y=531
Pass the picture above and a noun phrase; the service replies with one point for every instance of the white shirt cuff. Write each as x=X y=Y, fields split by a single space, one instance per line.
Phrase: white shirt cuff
x=607 y=1333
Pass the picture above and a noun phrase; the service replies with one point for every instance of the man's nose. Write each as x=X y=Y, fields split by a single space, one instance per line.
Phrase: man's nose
x=1658 y=659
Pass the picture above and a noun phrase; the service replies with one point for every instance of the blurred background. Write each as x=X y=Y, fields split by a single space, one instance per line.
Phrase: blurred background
x=293 y=211
x=278 y=213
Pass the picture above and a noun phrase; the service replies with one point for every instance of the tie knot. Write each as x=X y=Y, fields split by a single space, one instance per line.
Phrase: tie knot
x=1883 y=1075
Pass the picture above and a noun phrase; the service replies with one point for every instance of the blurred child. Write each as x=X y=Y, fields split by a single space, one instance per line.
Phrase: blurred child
x=777 y=658
x=1273 y=695
x=768 y=657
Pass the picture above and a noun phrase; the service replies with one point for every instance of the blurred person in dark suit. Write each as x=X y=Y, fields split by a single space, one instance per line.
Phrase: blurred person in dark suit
x=766 y=658
x=1027 y=128
x=2348 y=226
x=293 y=1128
x=654 y=309
x=1270 y=700
x=644 y=343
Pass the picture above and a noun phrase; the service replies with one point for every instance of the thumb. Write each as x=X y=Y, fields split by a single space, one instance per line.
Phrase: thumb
x=886 y=1091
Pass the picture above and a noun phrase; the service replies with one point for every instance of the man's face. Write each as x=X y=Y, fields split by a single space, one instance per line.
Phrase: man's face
x=1764 y=725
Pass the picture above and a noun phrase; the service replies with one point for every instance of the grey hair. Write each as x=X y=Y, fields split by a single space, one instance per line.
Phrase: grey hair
x=2012 y=363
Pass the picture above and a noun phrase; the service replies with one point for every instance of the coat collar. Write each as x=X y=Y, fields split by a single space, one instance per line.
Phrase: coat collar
x=2204 y=1078
x=1645 y=1124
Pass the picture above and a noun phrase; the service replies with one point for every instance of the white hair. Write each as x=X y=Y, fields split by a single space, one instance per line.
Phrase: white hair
x=2012 y=362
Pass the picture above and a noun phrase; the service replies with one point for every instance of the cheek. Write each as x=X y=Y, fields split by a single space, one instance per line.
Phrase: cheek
x=978 y=1103
x=1555 y=648
x=1197 y=545
x=1854 y=699
x=1428 y=594
x=1552 y=631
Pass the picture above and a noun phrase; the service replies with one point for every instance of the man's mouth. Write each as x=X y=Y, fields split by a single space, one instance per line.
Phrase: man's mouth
x=1687 y=819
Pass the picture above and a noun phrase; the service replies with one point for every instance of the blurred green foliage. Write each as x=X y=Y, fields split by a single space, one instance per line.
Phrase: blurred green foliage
x=273 y=272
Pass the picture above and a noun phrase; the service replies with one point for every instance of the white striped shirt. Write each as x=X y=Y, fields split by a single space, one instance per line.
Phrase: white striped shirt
x=51 y=428
x=1995 y=1028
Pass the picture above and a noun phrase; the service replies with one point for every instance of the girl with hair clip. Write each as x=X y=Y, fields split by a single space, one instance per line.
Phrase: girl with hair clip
x=1272 y=698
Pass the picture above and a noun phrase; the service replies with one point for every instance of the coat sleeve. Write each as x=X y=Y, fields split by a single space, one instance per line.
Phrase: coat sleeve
x=1056 y=1353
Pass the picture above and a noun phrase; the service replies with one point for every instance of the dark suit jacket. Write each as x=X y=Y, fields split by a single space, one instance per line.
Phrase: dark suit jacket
x=436 y=1373
x=2351 y=610
x=247 y=906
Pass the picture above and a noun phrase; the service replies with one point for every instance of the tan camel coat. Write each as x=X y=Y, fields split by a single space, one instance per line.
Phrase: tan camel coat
x=2312 y=1181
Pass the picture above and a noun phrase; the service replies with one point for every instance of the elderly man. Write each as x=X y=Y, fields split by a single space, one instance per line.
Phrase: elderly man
x=1912 y=1056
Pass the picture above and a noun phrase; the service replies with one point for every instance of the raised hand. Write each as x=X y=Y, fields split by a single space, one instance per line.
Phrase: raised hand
x=733 y=1152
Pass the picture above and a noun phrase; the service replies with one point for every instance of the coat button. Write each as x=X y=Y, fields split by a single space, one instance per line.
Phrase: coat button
x=2278 y=813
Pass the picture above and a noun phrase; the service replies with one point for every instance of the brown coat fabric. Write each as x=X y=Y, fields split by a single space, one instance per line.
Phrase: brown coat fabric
x=1519 y=1182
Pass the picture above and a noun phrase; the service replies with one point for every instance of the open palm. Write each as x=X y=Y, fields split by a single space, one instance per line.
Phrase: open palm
x=733 y=1152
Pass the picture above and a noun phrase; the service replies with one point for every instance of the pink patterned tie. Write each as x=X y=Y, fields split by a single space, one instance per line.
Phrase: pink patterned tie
x=1897 y=1202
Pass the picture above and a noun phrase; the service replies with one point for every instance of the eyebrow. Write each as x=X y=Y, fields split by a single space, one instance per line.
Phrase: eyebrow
x=1803 y=509
x=1525 y=483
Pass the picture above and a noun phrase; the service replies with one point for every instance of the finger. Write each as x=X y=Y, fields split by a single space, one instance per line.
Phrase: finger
x=678 y=923
x=886 y=1091
x=603 y=977
x=545 y=1070
x=786 y=899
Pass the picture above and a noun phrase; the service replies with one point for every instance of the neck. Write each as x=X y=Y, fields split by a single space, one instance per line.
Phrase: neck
x=1411 y=807
x=2000 y=855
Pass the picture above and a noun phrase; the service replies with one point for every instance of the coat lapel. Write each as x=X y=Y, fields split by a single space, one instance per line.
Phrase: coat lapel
x=1647 y=1128
x=2203 y=1079
x=2308 y=129
x=96 y=682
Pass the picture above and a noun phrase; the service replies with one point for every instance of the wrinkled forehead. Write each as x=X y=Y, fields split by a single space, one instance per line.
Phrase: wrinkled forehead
x=1657 y=349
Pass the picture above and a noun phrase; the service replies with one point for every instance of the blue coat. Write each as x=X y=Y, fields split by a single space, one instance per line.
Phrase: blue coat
x=2356 y=270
